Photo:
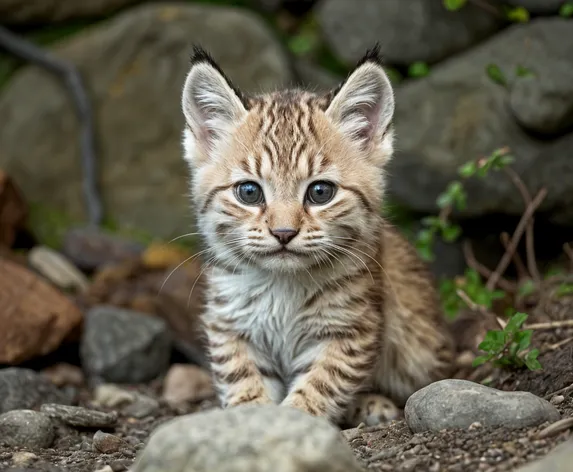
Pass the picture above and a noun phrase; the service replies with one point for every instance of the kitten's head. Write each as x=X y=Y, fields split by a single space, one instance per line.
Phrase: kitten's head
x=287 y=180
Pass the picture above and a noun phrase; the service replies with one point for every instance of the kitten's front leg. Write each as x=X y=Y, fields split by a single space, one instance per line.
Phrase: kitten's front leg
x=236 y=376
x=334 y=378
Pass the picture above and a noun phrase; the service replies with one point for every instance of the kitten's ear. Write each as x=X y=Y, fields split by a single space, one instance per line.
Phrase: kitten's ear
x=363 y=107
x=211 y=104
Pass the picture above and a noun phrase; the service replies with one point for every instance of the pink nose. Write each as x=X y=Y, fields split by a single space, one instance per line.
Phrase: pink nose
x=284 y=235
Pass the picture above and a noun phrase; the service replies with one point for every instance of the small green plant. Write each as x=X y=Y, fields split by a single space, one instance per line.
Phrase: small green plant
x=418 y=69
x=476 y=293
x=455 y=198
x=517 y=15
x=508 y=347
x=566 y=10
x=454 y=5
x=564 y=289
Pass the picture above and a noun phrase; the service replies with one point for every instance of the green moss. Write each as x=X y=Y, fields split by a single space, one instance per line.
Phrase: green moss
x=49 y=225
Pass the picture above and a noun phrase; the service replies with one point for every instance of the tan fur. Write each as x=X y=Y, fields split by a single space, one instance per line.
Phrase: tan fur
x=354 y=309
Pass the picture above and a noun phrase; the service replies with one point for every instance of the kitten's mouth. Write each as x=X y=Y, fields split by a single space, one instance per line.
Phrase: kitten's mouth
x=283 y=251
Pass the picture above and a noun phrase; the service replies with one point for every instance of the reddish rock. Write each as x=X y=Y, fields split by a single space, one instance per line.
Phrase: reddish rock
x=35 y=317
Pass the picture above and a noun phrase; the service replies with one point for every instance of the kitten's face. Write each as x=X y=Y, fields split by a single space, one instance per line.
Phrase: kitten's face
x=287 y=181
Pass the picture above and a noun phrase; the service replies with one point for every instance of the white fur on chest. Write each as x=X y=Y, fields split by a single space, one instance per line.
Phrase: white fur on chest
x=267 y=309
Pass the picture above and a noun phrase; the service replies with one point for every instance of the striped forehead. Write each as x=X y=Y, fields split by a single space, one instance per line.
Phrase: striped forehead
x=286 y=143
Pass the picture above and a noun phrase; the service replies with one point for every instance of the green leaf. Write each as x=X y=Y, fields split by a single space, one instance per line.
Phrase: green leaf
x=527 y=288
x=566 y=10
x=515 y=322
x=479 y=360
x=418 y=69
x=468 y=169
x=451 y=233
x=425 y=236
x=426 y=253
x=494 y=73
x=432 y=222
x=522 y=71
x=444 y=200
x=523 y=339
x=453 y=5
x=564 y=289
x=531 y=360
x=518 y=15
x=493 y=341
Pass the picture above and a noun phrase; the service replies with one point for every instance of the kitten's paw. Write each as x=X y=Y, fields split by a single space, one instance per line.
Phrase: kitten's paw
x=371 y=409
x=250 y=400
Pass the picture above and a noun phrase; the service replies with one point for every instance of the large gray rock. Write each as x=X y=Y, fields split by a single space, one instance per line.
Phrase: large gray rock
x=458 y=113
x=48 y=11
x=22 y=389
x=124 y=346
x=247 y=439
x=134 y=66
x=408 y=30
x=26 y=428
x=453 y=403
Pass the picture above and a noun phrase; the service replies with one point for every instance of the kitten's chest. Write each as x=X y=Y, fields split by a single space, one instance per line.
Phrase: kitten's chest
x=266 y=309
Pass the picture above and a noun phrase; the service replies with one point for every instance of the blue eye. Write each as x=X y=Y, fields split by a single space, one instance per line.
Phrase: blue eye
x=320 y=192
x=249 y=193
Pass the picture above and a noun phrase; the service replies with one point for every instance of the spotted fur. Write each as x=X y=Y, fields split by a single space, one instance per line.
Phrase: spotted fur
x=346 y=306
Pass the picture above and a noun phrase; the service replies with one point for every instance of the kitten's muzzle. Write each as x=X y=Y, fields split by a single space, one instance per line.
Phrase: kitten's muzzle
x=284 y=235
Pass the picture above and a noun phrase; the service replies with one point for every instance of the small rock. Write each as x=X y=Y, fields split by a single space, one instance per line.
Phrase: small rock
x=475 y=425
x=557 y=399
x=90 y=248
x=26 y=428
x=124 y=346
x=22 y=458
x=106 y=468
x=142 y=406
x=22 y=389
x=108 y=443
x=372 y=409
x=29 y=328
x=271 y=438
x=112 y=396
x=63 y=374
x=79 y=416
x=453 y=403
x=57 y=268
x=187 y=383
x=163 y=256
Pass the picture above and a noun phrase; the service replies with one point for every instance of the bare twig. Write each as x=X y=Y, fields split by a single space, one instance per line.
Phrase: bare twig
x=551 y=325
x=553 y=347
x=522 y=272
x=506 y=259
x=69 y=74
x=529 y=239
x=484 y=271
x=559 y=392
x=555 y=428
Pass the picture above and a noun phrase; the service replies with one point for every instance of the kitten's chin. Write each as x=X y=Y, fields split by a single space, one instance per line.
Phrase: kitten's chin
x=284 y=261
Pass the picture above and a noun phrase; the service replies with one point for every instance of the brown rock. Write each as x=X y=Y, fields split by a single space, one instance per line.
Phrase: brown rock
x=108 y=443
x=163 y=256
x=187 y=383
x=63 y=374
x=13 y=210
x=34 y=316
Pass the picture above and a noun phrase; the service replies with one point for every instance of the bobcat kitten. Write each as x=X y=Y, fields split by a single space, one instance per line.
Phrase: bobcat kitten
x=312 y=297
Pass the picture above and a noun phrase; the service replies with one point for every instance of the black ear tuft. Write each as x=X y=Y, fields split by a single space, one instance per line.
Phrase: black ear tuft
x=372 y=55
x=201 y=56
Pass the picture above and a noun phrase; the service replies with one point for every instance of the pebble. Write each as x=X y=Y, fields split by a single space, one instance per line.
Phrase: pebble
x=22 y=458
x=24 y=389
x=557 y=399
x=187 y=383
x=108 y=443
x=124 y=346
x=80 y=417
x=112 y=396
x=57 y=268
x=106 y=468
x=453 y=403
x=142 y=407
x=558 y=460
x=62 y=375
x=26 y=428
x=271 y=437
